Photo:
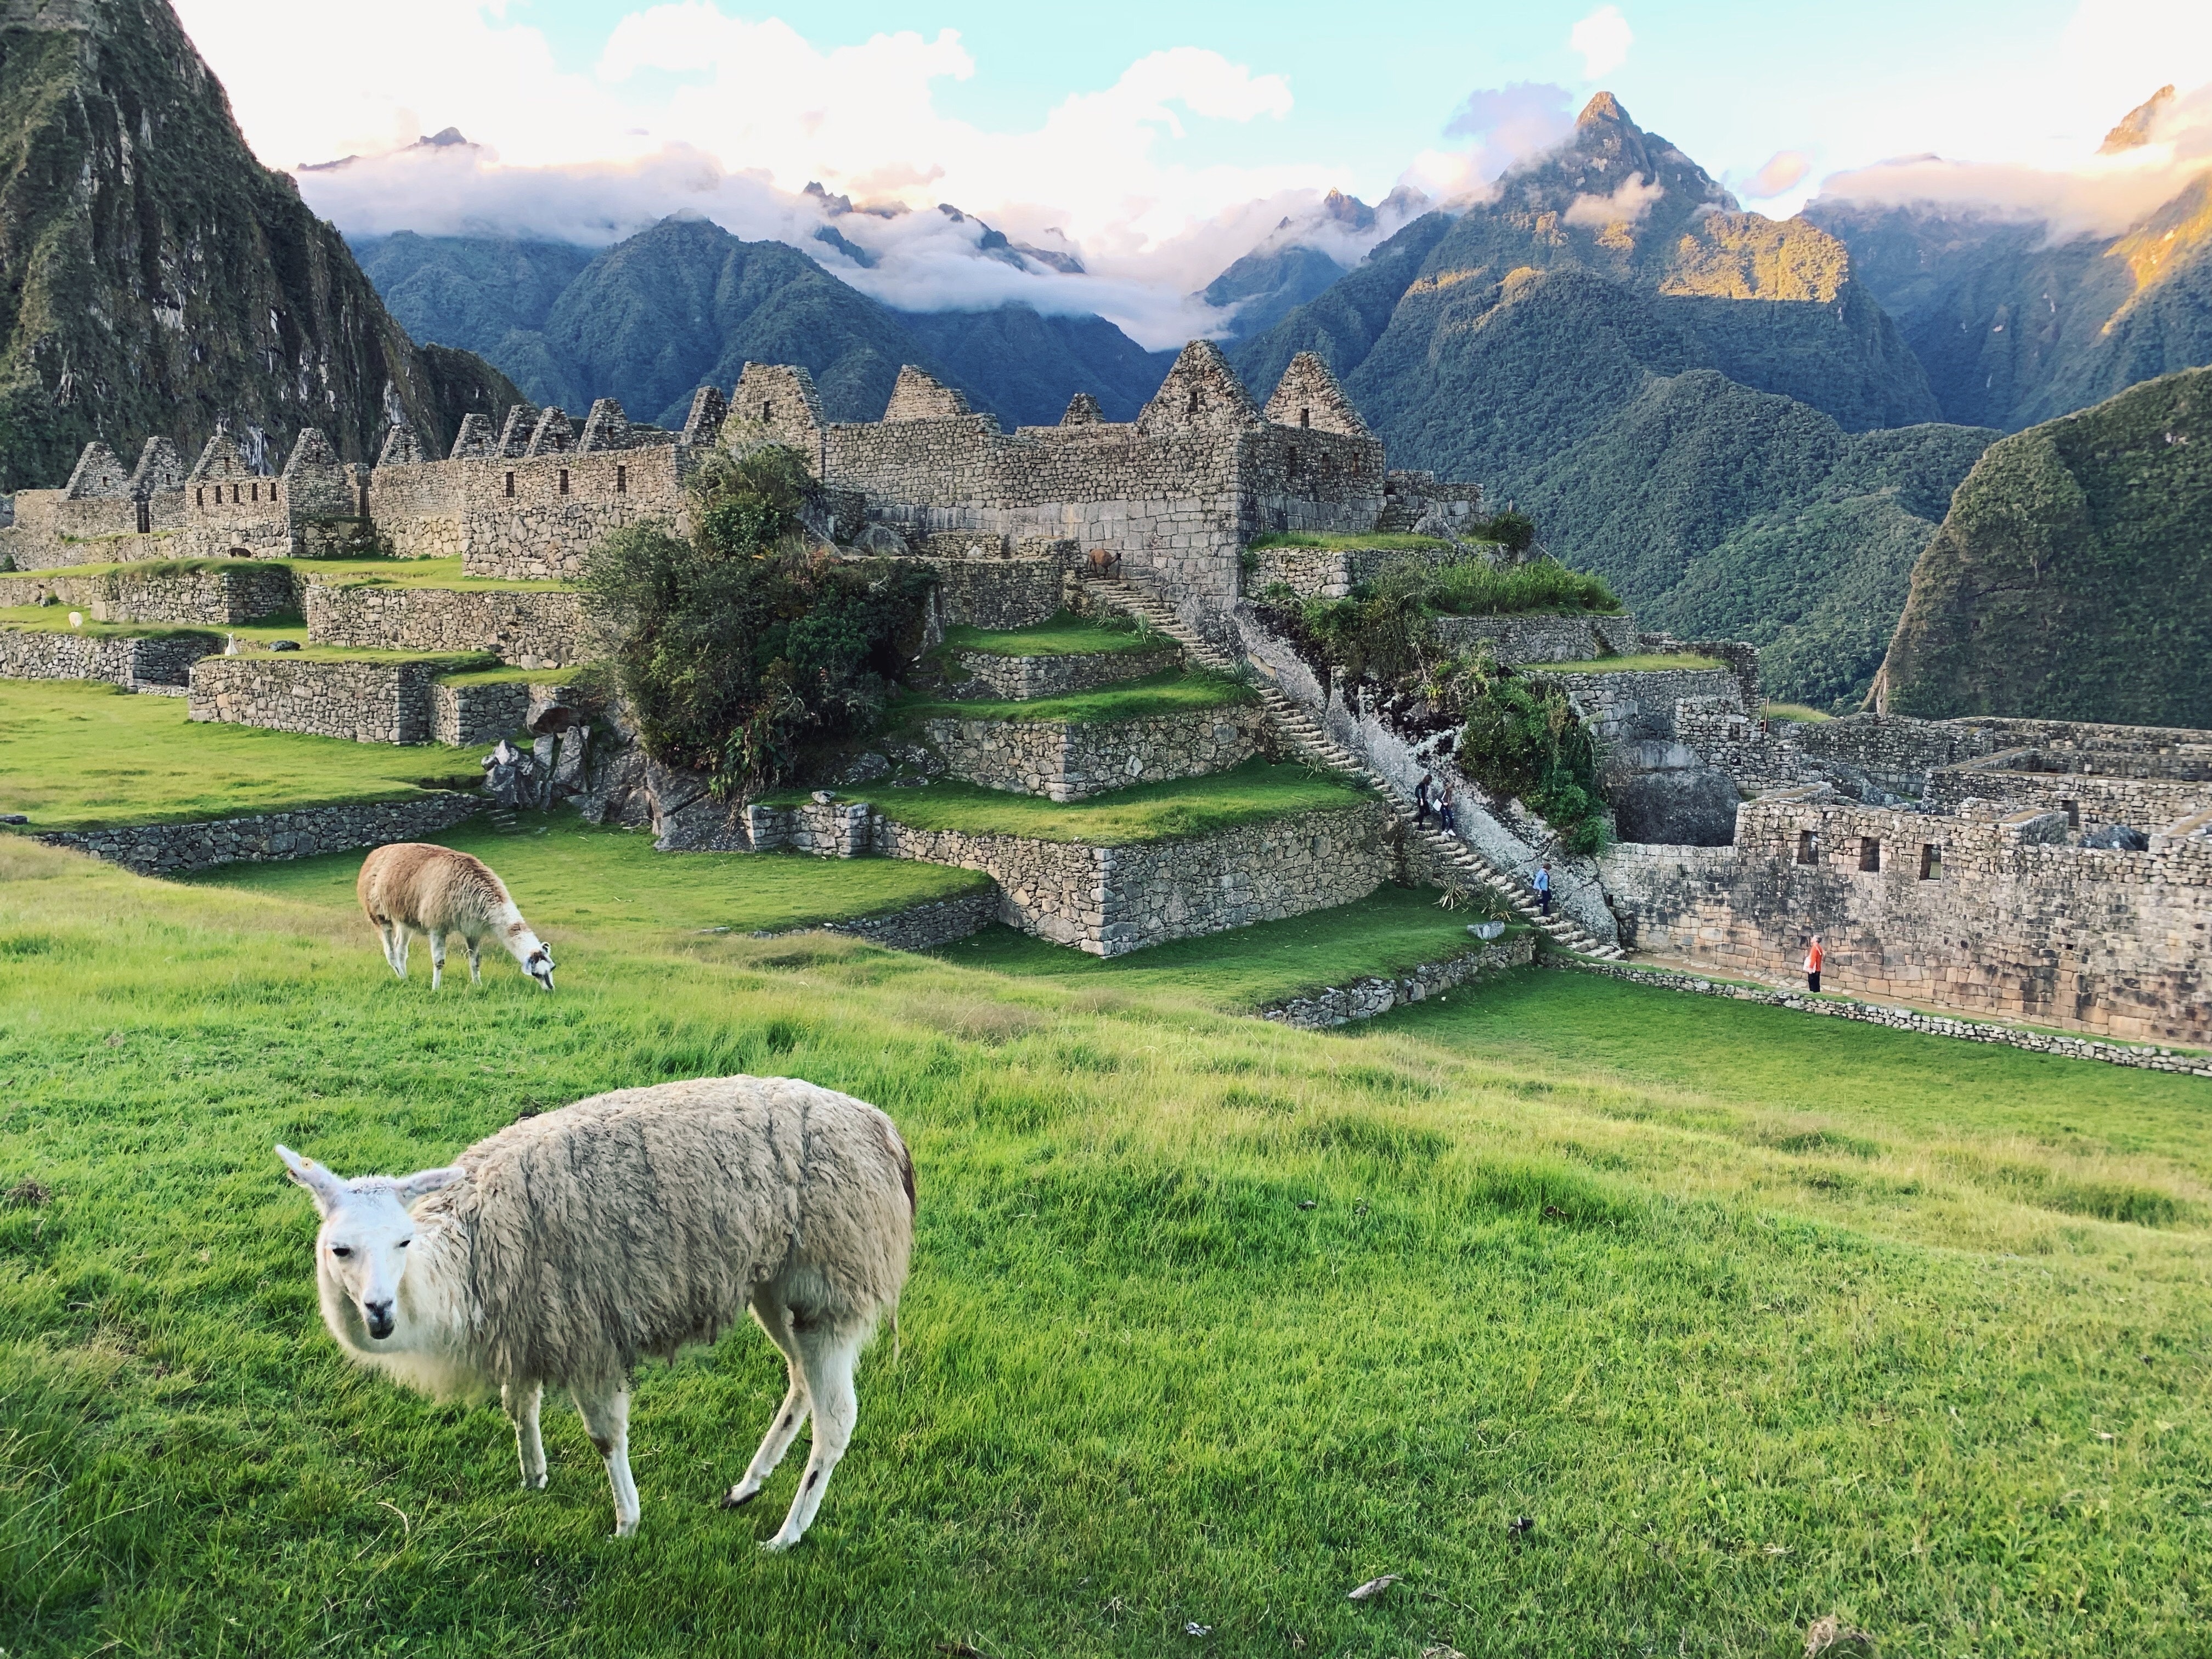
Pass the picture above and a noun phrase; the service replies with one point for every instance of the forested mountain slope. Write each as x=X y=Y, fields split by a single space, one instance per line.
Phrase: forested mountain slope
x=155 y=277
x=2072 y=577
x=1704 y=405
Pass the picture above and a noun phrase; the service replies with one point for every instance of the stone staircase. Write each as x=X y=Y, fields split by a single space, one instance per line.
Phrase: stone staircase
x=1304 y=734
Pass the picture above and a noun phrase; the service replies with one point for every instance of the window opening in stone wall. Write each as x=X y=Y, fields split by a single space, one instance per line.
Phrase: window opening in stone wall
x=564 y=481
x=2073 y=811
x=1931 y=862
x=145 y=517
x=1290 y=462
x=1193 y=400
x=1305 y=417
x=768 y=411
x=256 y=488
x=510 y=484
x=622 y=480
x=199 y=497
x=1869 y=852
x=1804 y=847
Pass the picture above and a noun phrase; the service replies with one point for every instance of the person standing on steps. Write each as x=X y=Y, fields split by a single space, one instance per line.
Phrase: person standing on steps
x=1446 y=815
x=1543 y=886
x=1421 y=801
x=1812 y=966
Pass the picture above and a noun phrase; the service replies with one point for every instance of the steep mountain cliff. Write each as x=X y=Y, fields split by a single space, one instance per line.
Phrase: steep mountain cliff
x=1687 y=396
x=155 y=278
x=2072 y=577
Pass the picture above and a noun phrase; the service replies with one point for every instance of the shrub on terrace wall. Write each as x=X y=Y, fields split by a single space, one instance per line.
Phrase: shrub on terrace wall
x=1523 y=738
x=742 y=647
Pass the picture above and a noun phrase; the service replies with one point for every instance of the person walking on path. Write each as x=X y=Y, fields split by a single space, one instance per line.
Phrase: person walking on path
x=1812 y=967
x=1543 y=886
x=1421 y=801
x=1446 y=815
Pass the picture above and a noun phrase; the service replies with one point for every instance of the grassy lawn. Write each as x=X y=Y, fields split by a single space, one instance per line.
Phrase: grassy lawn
x=55 y=619
x=1392 y=929
x=448 y=662
x=1391 y=541
x=1752 y=1316
x=75 y=755
x=1638 y=664
x=1064 y=636
x=1172 y=693
x=1794 y=711
x=570 y=877
x=1170 y=811
x=515 y=676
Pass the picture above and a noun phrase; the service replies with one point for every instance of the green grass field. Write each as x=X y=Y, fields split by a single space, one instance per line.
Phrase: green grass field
x=1794 y=711
x=55 y=619
x=1064 y=636
x=515 y=676
x=1389 y=540
x=1173 y=693
x=1167 y=811
x=1754 y=1316
x=77 y=755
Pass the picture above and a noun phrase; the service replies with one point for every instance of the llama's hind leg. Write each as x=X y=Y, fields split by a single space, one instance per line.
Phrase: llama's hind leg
x=522 y=1403
x=776 y=1319
x=395 y=946
x=437 y=959
x=606 y=1411
x=827 y=1354
x=476 y=962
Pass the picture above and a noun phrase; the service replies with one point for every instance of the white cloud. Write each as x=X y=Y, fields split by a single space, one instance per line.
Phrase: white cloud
x=1627 y=205
x=1785 y=171
x=1507 y=125
x=1603 y=39
x=2098 y=195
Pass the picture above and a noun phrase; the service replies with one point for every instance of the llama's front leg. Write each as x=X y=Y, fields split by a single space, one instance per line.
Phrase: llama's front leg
x=522 y=1403
x=437 y=959
x=476 y=962
x=775 y=1319
x=605 y=1413
x=394 y=957
x=828 y=1357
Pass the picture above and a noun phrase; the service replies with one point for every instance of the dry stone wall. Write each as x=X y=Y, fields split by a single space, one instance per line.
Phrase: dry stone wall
x=1025 y=679
x=219 y=598
x=1065 y=761
x=462 y=716
x=1629 y=705
x=526 y=627
x=535 y=518
x=1526 y=639
x=2006 y=918
x=159 y=849
x=925 y=927
x=157 y=661
x=1364 y=999
x=361 y=702
x=1330 y=573
x=2014 y=780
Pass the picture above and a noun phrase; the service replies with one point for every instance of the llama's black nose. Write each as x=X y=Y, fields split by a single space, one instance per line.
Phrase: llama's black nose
x=378 y=1316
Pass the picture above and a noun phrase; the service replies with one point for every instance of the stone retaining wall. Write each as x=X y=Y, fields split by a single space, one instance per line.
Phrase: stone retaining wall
x=1898 y=1019
x=155 y=849
x=2014 y=778
x=363 y=702
x=528 y=628
x=2005 y=918
x=1364 y=999
x=1631 y=706
x=160 y=659
x=1526 y=639
x=1330 y=573
x=1107 y=901
x=926 y=926
x=222 y=597
x=1067 y=761
x=1025 y=679
x=1000 y=592
x=462 y=716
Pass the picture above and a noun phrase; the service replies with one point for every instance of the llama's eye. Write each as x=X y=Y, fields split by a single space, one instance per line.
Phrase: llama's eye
x=404 y=1243
x=341 y=1249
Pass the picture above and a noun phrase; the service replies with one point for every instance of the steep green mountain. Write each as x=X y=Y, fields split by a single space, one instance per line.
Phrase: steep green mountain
x=1025 y=367
x=2072 y=577
x=1703 y=404
x=1267 y=284
x=469 y=291
x=684 y=304
x=2015 y=325
x=155 y=277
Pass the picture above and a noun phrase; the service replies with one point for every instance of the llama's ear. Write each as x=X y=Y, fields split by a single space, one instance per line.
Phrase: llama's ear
x=326 y=1188
x=423 y=1182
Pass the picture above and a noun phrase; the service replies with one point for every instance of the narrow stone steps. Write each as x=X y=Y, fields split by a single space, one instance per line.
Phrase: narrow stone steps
x=1307 y=737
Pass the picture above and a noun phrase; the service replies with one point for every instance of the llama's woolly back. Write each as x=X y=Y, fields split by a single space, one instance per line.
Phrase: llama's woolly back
x=632 y=1223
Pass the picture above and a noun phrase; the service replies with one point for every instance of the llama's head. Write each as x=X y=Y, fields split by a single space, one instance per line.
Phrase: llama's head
x=361 y=1252
x=538 y=963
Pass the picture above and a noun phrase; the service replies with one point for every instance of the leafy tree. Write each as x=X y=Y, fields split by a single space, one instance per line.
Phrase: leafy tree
x=742 y=646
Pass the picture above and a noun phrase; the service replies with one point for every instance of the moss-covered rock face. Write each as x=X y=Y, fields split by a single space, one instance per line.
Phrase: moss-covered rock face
x=2073 y=578
x=155 y=277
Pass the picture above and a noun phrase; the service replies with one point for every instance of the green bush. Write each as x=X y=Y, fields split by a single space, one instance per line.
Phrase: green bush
x=1523 y=738
x=1515 y=530
x=740 y=648
x=1481 y=590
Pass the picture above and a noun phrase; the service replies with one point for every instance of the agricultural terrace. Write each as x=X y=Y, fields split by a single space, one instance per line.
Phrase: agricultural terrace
x=1613 y=1321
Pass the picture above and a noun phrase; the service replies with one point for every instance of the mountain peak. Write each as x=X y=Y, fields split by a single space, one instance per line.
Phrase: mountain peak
x=2134 y=130
x=1603 y=109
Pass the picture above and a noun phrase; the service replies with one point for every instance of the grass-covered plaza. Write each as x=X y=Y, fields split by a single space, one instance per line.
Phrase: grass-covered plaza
x=1752 y=1316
